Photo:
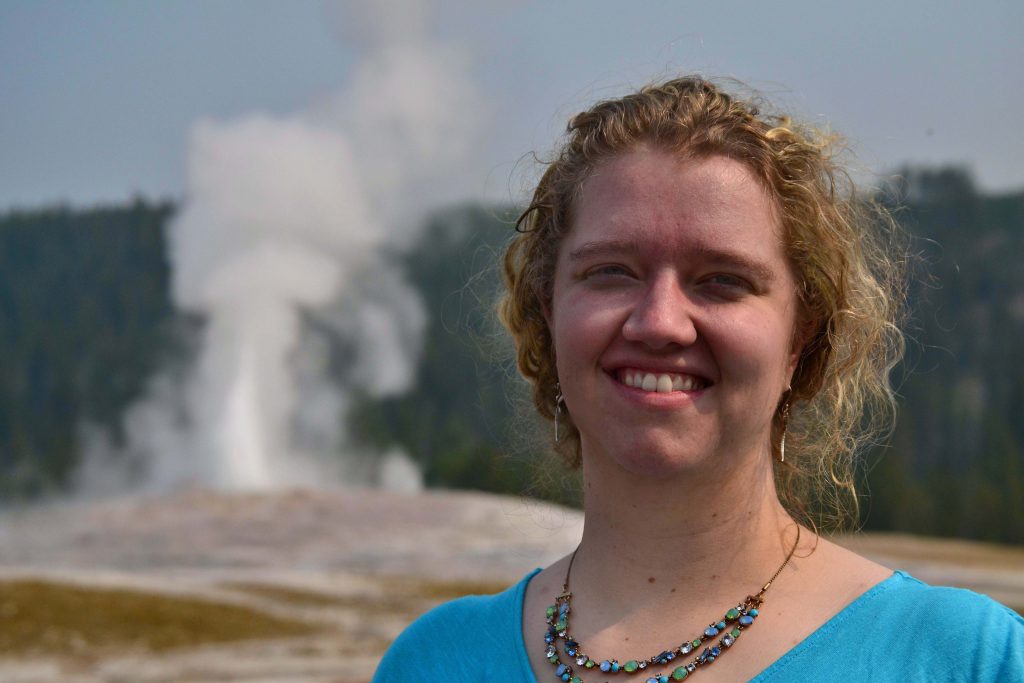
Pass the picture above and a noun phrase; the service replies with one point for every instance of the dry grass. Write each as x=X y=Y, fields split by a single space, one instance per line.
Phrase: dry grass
x=41 y=618
x=437 y=590
x=297 y=597
x=388 y=595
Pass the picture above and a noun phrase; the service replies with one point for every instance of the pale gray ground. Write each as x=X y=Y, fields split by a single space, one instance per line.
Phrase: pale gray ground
x=377 y=559
x=366 y=552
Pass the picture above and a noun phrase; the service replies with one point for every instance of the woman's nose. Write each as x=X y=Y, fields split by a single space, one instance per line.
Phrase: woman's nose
x=662 y=317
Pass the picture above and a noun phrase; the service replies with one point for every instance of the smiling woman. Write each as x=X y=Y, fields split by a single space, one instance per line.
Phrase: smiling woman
x=709 y=317
x=674 y=273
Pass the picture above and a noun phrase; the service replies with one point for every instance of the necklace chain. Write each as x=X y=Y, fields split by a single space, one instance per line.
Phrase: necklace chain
x=733 y=623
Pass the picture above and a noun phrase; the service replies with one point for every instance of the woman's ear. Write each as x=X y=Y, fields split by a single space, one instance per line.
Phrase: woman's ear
x=794 y=358
x=802 y=334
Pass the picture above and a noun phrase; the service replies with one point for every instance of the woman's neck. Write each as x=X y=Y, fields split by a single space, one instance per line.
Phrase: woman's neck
x=714 y=531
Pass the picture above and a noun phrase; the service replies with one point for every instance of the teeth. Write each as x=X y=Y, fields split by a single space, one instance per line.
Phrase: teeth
x=660 y=383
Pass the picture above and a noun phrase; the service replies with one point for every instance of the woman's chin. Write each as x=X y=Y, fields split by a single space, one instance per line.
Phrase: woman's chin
x=658 y=461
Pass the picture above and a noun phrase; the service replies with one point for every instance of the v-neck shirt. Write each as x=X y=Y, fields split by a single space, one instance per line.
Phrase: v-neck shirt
x=899 y=630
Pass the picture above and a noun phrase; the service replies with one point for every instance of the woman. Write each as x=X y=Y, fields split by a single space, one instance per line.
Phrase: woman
x=708 y=316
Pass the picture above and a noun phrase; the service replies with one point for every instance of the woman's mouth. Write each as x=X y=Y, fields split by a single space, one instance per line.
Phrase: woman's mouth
x=660 y=382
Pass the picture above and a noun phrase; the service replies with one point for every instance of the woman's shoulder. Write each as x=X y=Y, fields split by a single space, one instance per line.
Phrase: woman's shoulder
x=471 y=613
x=968 y=635
x=937 y=608
x=441 y=642
x=876 y=592
x=905 y=629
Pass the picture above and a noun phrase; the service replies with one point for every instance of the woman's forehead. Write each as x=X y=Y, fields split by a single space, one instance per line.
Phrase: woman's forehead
x=650 y=196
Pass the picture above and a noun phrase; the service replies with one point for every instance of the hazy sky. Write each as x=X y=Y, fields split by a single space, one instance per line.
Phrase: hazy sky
x=97 y=98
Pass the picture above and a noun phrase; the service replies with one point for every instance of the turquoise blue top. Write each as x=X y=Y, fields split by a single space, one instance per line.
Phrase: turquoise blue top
x=900 y=630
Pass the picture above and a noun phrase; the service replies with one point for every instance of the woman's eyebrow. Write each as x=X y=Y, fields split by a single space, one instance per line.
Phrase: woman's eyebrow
x=737 y=260
x=603 y=248
x=725 y=257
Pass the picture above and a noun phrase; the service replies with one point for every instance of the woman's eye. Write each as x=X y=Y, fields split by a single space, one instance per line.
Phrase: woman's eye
x=728 y=281
x=609 y=270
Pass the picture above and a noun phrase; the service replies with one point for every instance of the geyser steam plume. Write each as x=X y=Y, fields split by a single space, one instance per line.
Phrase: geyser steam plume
x=285 y=218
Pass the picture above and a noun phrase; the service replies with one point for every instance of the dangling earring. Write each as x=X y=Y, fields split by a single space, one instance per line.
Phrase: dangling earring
x=559 y=402
x=785 y=423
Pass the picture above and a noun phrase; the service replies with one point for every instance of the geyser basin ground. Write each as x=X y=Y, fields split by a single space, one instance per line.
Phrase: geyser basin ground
x=353 y=566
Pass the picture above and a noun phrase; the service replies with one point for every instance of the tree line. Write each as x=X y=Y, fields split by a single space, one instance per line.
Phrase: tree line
x=87 y=318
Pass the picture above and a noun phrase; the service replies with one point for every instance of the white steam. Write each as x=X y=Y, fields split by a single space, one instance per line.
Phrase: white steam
x=285 y=222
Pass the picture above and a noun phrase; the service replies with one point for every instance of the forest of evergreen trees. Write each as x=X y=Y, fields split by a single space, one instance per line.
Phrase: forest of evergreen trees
x=86 y=319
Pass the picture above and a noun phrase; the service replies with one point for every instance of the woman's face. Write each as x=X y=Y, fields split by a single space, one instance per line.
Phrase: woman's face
x=673 y=313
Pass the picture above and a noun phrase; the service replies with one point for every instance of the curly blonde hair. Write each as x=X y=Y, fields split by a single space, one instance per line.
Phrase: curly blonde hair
x=841 y=247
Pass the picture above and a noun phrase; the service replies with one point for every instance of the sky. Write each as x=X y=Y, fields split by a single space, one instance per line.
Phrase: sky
x=98 y=98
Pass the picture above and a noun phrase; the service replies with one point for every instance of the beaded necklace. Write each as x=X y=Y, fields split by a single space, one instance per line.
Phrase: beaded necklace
x=735 y=621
